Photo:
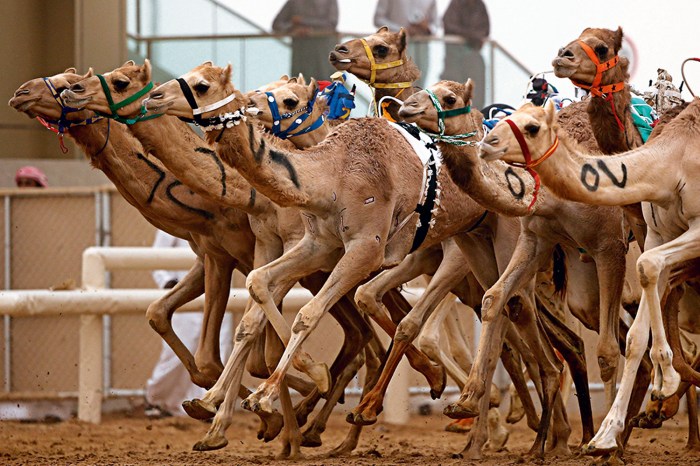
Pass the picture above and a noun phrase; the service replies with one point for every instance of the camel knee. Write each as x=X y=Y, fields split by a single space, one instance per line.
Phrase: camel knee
x=256 y=285
x=649 y=267
x=491 y=305
x=407 y=330
x=157 y=318
x=367 y=299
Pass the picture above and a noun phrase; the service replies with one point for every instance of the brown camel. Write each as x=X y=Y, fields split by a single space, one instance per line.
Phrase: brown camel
x=625 y=179
x=173 y=142
x=349 y=218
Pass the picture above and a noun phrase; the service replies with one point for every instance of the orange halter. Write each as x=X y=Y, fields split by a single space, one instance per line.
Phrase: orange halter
x=595 y=88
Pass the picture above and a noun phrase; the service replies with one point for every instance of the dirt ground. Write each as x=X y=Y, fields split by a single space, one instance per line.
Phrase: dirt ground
x=133 y=439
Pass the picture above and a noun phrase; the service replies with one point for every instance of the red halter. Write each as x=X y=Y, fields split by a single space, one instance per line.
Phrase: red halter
x=529 y=164
x=595 y=88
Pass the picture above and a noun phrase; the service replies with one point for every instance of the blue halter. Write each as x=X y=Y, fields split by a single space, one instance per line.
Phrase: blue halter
x=63 y=123
x=277 y=118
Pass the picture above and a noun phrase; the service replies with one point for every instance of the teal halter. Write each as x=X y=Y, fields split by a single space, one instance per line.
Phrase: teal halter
x=113 y=107
x=455 y=139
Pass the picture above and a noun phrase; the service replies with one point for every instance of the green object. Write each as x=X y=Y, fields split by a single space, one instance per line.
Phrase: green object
x=644 y=117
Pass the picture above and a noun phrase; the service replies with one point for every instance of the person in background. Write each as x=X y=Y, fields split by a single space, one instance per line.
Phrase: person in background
x=469 y=20
x=30 y=177
x=312 y=25
x=170 y=384
x=419 y=18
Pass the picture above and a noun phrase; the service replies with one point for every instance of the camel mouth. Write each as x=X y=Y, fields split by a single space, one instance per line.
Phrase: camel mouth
x=341 y=64
x=22 y=105
x=72 y=99
x=155 y=106
x=489 y=153
x=409 y=115
x=563 y=67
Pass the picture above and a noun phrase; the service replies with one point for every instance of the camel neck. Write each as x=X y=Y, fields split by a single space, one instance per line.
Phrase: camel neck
x=193 y=161
x=612 y=123
x=497 y=187
x=272 y=171
x=608 y=180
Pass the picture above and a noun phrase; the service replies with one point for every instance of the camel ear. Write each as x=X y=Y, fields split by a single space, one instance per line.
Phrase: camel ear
x=89 y=73
x=207 y=63
x=284 y=77
x=312 y=87
x=147 y=70
x=227 y=73
x=129 y=63
x=550 y=112
x=383 y=29
x=618 y=39
x=402 y=40
x=301 y=79
x=292 y=81
x=468 y=91
x=71 y=71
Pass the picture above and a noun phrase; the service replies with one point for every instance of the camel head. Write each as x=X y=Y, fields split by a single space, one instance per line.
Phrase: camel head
x=257 y=100
x=290 y=102
x=40 y=97
x=538 y=128
x=120 y=85
x=201 y=94
x=575 y=63
x=387 y=50
x=420 y=109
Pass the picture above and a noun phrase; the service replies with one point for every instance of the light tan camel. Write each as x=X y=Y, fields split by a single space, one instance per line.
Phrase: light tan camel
x=349 y=216
x=276 y=229
x=659 y=173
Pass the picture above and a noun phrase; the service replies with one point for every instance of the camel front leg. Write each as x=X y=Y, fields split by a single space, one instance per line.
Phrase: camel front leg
x=362 y=257
x=653 y=269
x=160 y=312
x=217 y=286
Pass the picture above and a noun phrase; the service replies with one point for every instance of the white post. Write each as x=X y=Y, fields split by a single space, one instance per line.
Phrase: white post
x=91 y=338
x=397 y=400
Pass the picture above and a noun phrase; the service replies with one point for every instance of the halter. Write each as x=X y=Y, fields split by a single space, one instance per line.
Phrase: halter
x=63 y=123
x=224 y=120
x=529 y=164
x=277 y=118
x=374 y=66
x=113 y=107
x=595 y=88
x=454 y=139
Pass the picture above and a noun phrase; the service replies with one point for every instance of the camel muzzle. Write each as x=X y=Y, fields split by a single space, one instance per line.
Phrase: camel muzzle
x=71 y=98
x=488 y=152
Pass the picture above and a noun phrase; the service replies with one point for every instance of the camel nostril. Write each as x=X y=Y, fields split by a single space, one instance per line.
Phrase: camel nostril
x=77 y=88
x=155 y=95
x=341 y=49
x=566 y=53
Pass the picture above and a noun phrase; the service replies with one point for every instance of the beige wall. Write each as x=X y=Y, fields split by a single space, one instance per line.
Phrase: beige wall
x=42 y=38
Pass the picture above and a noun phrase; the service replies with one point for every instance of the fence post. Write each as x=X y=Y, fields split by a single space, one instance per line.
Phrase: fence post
x=91 y=338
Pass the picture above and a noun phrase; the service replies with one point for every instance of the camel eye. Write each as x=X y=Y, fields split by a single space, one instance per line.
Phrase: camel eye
x=120 y=84
x=290 y=103
x=532 y=129
x=381 y=51
x=601 y=51
x=201 y=88
x=450 y=100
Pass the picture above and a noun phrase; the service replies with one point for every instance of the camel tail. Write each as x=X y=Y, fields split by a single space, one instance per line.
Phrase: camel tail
x=559 y=271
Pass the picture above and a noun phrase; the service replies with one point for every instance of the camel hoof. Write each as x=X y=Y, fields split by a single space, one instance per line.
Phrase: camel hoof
x=274 y=422
x=592 y=450
x=321 y=376
x=436 y=391
x=360 y=419
x=245 y=404
x=199 y=409
x=209 y=444
x=311 y=439
x=459 y=411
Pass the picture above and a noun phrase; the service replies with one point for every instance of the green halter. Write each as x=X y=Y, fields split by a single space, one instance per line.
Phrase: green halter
x=114 y=107
x=455 y=139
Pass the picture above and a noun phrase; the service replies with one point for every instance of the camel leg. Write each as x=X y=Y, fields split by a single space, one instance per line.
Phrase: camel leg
x=446 y=277
x=161 y=311
x=457 y=342
x=291 y=437
x=362 y=256
x=217 y=286
x=374 y=296
x=693 y=443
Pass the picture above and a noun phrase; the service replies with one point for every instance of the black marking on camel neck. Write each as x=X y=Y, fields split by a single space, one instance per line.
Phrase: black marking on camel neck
x=280 y=158
x=218 y=162
x=200 y=212
x=155 y=168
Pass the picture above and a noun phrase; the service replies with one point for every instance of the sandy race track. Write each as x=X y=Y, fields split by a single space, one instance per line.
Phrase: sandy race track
x=133 y=439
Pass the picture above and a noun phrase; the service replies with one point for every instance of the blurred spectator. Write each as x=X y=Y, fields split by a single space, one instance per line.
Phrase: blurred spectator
x=170 y=384
x=419 y=18
x=30 y=177
x=468 y=19
x=312 y=25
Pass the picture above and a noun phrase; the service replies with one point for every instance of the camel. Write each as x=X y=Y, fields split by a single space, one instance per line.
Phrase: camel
x=541 y=227
x=619 y=180
x=341 y=216
x=282 y=226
